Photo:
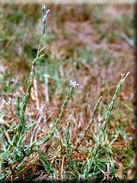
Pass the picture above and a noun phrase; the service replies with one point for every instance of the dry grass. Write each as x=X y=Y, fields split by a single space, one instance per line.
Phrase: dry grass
x=66 y=135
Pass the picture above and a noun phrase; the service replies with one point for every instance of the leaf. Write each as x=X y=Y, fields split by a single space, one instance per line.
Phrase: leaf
x=45 y=163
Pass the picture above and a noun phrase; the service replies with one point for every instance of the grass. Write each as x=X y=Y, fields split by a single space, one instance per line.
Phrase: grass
x=51 y=132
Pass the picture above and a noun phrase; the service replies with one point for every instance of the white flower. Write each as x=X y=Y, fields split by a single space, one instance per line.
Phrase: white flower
x=73 y=83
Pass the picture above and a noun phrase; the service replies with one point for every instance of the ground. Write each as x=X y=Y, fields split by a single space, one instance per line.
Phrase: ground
x=91 y=45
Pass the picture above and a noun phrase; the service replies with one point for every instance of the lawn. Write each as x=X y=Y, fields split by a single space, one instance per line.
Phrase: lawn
x=66 y=82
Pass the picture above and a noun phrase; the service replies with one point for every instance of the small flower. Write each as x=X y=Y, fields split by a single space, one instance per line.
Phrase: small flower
x=73 y=83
